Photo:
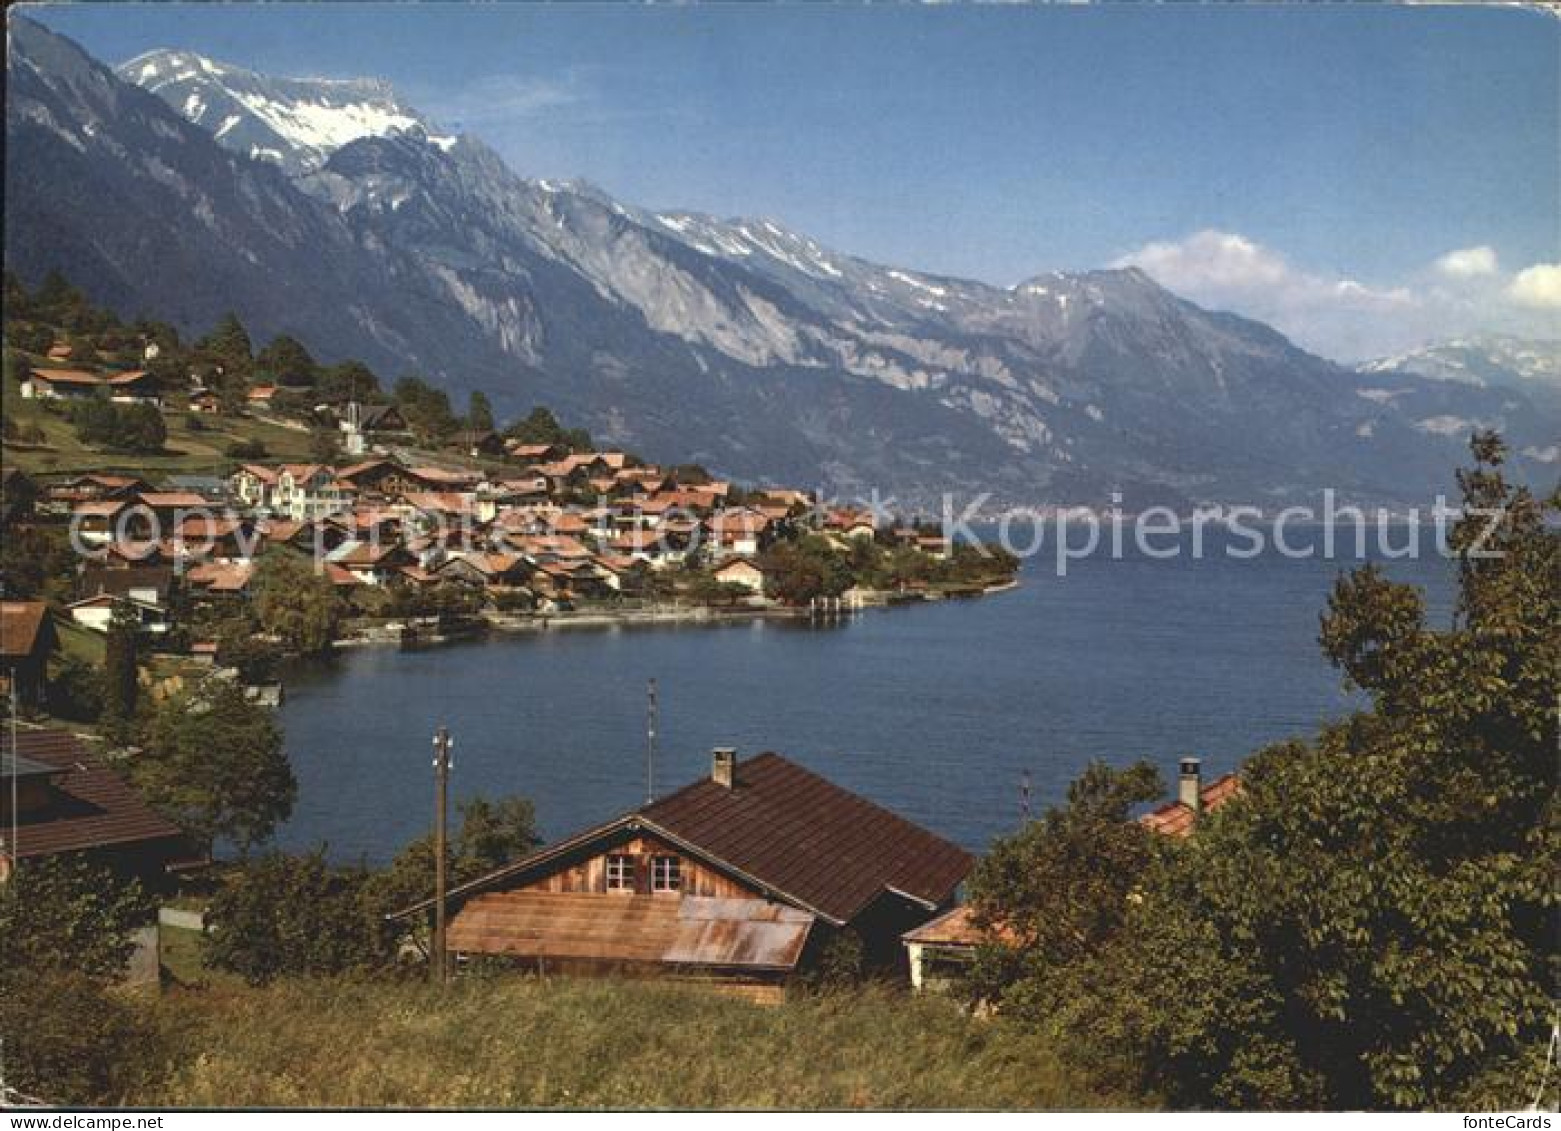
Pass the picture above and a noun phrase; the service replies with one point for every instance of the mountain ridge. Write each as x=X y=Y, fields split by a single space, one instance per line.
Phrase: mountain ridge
x=739 y=341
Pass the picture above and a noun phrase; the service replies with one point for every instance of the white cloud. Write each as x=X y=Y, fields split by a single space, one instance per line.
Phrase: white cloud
x=1468 y=263
x=1209 y=259
x=501 y=98
x=1337 y=316
x=1460 y=292
x=1537 y=287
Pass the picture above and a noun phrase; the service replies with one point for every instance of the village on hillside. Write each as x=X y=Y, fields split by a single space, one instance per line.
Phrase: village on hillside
x=417 y=519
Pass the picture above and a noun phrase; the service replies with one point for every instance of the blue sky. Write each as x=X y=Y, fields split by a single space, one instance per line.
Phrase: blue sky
x=1308 y=165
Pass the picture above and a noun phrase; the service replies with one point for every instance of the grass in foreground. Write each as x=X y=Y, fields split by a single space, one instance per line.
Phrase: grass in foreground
x=525 y=1042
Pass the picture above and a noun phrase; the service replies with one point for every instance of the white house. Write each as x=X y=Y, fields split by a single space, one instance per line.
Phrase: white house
x=96 y=612
x=741 y=572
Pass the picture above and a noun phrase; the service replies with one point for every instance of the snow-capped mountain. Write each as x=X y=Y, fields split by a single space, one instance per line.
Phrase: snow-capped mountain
x=1486 y=360
x=738 y=343
x=296 y=123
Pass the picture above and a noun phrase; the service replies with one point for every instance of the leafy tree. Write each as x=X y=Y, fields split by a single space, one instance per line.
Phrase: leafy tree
x=214 y=761
x=140 y=429
x=479 y=412
x=17 y=367
x=295 y=603
x=1373 y=923
x=67 y=927
x=121 y=672
x=542 y=427
x=56 y=298
x=36 y=561
x=491 y=834
x=64 y=913
x=426 y=409
x=76 y=690
x=247 y=449
x=239 y=647
x=286 y=362
x=34 y=337
x=135 y=428
x=1058 y=889
x=324 y=445
x=285 y=914
x=796 y=572
x=229 y=346
x=346 y=381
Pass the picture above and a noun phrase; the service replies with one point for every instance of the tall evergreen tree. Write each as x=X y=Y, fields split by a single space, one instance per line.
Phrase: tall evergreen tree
x=120 y=672
x=479 y=412
x=229 y=345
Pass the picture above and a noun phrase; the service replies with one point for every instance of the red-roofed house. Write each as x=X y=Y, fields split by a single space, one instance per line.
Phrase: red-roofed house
x=1193 y=800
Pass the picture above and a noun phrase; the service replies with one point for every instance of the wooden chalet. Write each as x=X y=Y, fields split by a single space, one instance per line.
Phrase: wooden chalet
x=27 y=640
x=742 y=877
x=66 y=801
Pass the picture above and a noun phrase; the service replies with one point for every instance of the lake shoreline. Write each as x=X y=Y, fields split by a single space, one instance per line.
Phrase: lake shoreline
x=498 y=624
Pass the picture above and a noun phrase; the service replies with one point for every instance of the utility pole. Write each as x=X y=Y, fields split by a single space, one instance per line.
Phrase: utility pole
x=651 y=713
x=442 y=744
x=1024 y=796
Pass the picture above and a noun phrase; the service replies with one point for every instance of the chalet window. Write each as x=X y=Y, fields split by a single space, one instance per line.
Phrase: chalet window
x=666 y=873
x=620 y=873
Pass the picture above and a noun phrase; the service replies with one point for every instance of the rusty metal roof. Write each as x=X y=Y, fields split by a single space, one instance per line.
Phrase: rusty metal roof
x=748 y=934
x=93 y=807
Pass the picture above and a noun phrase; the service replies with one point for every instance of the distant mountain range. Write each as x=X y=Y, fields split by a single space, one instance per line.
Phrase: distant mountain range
x=330 y=210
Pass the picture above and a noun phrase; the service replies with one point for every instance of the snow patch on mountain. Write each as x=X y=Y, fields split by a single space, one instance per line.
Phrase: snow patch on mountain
x=296 y=123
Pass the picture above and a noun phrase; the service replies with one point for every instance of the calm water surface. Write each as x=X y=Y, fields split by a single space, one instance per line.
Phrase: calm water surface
x=935 y=711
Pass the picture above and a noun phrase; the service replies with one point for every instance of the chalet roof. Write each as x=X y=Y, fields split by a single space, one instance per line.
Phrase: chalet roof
x=260 y=471
x=66 y=377
x=1176 y=819
x=219 y=578
x=788 y=832
x=95 y=808
x=100 y=479
x=156 y=499
x=104 y=508
x=96 y=579
x=382 y=416
x=810 y=839
x=439 y=502
x=23 y=628
x=367 y=465
x=533 y=451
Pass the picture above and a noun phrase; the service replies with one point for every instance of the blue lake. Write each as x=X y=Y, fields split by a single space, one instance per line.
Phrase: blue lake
x=934 y=710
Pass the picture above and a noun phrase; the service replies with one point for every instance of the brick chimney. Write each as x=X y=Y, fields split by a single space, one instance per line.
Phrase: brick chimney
x=723 y=766
x=1189 y=787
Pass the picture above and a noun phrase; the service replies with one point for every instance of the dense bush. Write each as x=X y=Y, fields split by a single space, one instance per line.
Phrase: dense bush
x=136 y=428
x=70 y=1040
x=285 y=914
x=1373 y=923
